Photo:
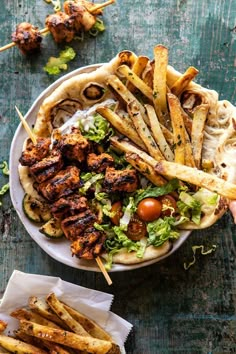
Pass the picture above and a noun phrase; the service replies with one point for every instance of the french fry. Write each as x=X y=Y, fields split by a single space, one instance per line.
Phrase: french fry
x=184 y=80
x=167 y=134
x=138 y=68
x=41 y=343
x=72 y=340
x=123 y=125
x=189 y=160
x=18 y=347
x=199 y=119
x=64 y=315
x=23 y=314
x=125 y=94
x=158 y=134
x=178 y=128
x=39 y=306
x=90 y=326
x=143 y=131
x=130 y=75
x=196 y=177
x=159 y=79
x=145 y=169
x=127 y=147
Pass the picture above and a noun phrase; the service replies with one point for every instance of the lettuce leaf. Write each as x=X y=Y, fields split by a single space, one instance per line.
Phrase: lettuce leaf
x=90 y=179
x=162 y=230
x=55 y=65
x=97 y=28
x=189 y=207
x=101 y=128
x=203 y=252
x=157 y=191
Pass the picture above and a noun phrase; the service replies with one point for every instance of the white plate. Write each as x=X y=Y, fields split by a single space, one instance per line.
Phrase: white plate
x=60 y=249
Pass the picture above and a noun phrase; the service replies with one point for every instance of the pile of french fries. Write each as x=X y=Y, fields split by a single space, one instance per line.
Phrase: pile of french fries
x=51 y=326
x=164 y=142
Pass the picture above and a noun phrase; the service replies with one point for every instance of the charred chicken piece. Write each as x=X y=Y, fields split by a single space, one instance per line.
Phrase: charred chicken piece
x=47 y=167
x=27 y=37
x=83 y=19
x=74 y=146
x=65 y=207
x=34 y=153
x=120 y=180
x=61 y=27
x=74 y=226
x=99 y=163
x=62 y=184
x=90 y=245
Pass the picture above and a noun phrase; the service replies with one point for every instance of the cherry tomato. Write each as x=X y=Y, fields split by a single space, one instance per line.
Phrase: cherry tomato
x=149 y=209
x=117 y=208
x=168 y=205
x=136 y=228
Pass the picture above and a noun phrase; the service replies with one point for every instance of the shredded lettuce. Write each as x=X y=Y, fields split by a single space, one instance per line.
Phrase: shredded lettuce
x=207 y=199
x=189 y=207
x=117 y=240
x=162 y=230
x=55 y=65
x=129 y=211
x=100 y=129
x=4 y=168
x=157 y=191
x=204 y=253
x=97 y=28
x=4 y=190
x=90 y=179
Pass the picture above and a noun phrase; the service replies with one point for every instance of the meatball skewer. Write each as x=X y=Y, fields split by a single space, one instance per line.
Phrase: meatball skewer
x=28 y=38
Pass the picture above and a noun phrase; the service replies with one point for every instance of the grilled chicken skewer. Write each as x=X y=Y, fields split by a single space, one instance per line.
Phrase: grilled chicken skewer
x=72 y=181
x=62 y=25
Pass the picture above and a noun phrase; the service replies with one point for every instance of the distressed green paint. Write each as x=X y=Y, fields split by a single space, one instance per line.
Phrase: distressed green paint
x=173 y=311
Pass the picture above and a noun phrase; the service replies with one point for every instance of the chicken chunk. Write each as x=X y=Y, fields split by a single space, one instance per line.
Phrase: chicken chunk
x=99 y=163
x=90 y=245
x=74 y=146
x=61 y=27
x=27 y=38
x=120 y=181
x=34 y=153
x=83 y=19
x=47 y=167
x=74 y=226
x=65 y=207
x=62 y=184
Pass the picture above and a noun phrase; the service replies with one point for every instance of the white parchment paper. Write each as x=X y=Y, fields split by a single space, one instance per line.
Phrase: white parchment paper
x=92 y=303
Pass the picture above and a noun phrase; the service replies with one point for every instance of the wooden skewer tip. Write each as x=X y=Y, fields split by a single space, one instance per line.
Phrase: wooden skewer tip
x=26 y=126
x=103 y=270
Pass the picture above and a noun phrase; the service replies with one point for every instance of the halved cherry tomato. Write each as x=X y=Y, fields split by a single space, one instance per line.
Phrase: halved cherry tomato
x=117 y=208
x=168 y=205
x=136 y=228
x=149 y=209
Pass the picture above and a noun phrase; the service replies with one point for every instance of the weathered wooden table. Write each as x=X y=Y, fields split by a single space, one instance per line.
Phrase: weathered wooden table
x=172 y=310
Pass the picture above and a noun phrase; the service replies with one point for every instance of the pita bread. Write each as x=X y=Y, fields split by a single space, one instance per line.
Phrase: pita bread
x=219 y=144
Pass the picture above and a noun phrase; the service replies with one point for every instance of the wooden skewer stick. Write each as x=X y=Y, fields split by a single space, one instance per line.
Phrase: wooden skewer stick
x=34 y=140
x=100 y=6
x=103 y=270
x=26 y=126
x=45 y=30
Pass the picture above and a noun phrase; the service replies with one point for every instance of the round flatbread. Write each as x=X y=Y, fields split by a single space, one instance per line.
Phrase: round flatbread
x=219 y=136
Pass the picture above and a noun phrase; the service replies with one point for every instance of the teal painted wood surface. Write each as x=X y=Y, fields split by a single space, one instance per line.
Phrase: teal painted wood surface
x=172 y=310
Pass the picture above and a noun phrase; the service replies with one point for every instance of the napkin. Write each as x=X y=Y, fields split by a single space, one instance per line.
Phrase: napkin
x=92 y=303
